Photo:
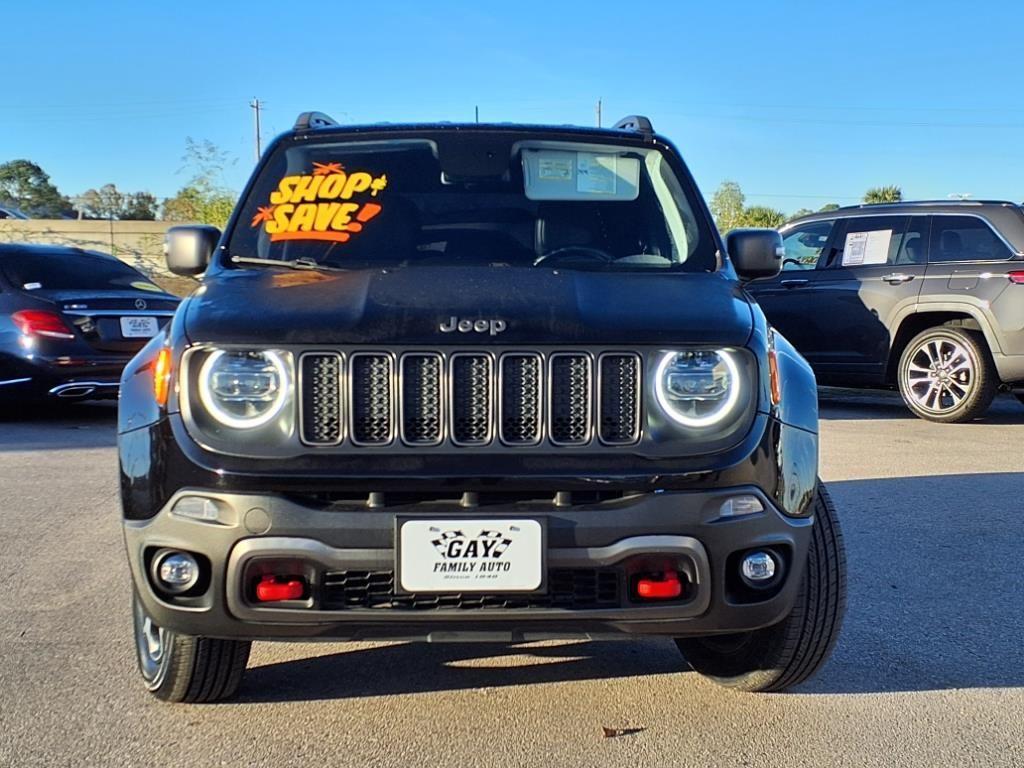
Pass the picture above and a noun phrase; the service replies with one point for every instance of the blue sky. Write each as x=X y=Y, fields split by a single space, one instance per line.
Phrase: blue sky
x=801 y=103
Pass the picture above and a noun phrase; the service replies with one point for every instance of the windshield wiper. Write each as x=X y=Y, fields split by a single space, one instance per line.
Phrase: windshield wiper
x=291 y=263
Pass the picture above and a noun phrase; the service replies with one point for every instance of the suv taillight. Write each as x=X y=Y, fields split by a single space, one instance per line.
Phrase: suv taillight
x=38 y=322
x=1017 y=276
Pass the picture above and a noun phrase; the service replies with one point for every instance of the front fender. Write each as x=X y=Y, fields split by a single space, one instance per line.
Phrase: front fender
x=799 y=404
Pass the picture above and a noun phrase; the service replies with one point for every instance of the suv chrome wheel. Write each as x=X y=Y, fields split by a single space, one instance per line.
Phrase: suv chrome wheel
x=946 y=374
x=940 y=374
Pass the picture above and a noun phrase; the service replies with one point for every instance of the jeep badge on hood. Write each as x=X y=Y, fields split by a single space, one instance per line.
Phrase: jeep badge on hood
x=453 y=324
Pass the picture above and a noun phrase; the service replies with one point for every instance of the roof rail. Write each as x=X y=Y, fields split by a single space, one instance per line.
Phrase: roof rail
x=638 y=123
x=947 y=201
x=309 y=120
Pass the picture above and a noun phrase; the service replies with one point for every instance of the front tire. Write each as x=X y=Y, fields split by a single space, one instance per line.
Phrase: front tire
x=946 y=375
x=181 y=668
x=790 y=652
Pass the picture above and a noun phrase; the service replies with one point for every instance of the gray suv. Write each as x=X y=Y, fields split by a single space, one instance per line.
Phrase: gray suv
x=927 y=297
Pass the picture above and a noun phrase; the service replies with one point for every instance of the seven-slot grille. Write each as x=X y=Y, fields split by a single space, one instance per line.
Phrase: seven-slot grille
x=464 y=398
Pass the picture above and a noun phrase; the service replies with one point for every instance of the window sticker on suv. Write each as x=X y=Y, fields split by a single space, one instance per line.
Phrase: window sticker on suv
x=867 y=247
x=307 y=207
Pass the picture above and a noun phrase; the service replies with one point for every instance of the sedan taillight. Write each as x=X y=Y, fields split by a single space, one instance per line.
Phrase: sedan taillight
x=38 y=322
x=1017 y=276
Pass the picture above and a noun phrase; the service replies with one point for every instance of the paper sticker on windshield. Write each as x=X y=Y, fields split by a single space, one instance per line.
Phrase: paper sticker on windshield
x=596 y=174
x=330 y=203
x=554 y=169
x=862 y=248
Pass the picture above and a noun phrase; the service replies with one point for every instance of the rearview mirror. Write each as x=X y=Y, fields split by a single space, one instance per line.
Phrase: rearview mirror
x=188 y=249
x=755 y=252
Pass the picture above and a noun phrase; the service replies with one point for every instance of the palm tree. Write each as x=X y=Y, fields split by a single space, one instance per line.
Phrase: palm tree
x=763 y=216
x=889 y=194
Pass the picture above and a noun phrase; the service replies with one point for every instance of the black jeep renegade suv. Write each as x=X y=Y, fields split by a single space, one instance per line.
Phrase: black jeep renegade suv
x=454 y=382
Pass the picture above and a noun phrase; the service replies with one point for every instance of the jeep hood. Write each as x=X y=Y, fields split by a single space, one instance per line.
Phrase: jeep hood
x=268 y=306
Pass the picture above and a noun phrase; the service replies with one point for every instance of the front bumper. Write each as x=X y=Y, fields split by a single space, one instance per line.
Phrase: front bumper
x=682 y=527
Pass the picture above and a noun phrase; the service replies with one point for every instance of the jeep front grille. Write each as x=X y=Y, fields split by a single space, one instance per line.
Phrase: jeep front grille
x=515 y=399
x=421 y=399
x=521 y=419
x=619 y=398
x=320 y=388
x=471 y=398
x=372 y=379
x=568 y=589
x=571 y=395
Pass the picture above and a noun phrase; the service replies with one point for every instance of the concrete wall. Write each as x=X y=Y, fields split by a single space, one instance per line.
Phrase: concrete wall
x=139 y=243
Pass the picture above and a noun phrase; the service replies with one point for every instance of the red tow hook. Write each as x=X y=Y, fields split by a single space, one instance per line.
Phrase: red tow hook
x=667 y=587
x=271 y=590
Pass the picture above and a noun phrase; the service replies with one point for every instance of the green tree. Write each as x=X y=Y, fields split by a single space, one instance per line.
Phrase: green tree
x=103 y=203
x=26 y=186
x=829 y=207
x=889 y=194
x=140 y=206
x=108 y=202
x=799 y=213
x=727 y=206
x=204 y=199
x=763 y=216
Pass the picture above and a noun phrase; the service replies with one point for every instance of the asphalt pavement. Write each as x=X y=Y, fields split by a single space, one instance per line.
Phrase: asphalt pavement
x=929 y=669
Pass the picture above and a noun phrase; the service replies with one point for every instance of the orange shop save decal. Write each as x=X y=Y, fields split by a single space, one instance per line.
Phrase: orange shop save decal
x=327 y=204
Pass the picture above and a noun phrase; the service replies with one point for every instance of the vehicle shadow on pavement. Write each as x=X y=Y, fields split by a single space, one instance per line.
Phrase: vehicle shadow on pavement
x=421 y=667
x=854 y=404
x=935 y=603
x=936 y=592
x=56 y=425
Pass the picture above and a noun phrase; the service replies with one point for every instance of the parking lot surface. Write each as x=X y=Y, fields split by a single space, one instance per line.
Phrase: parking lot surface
x=929 y=669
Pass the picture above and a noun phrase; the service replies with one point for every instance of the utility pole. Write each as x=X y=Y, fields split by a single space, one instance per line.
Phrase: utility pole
x=598 y=110
x=257 y=105
x=477 y=112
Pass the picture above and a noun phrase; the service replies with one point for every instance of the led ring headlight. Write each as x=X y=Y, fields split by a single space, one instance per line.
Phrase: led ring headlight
x=259 y=392
x=670 y=401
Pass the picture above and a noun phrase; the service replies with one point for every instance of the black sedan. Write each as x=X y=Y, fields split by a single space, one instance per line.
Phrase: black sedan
x=70 y=320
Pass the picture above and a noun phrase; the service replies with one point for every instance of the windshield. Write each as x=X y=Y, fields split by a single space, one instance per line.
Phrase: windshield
x=453 y=201
x=62 y=272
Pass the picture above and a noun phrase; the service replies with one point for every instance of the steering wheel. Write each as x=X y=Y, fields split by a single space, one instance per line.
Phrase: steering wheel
x=574 y=251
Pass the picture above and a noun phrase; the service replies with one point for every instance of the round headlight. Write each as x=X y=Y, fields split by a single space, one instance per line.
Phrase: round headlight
x=698 y=388
x=243 y=389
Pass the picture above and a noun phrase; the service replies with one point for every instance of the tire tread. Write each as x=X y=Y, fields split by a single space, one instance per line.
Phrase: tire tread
x=792 y=651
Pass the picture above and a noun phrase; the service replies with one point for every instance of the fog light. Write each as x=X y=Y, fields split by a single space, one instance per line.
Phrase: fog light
x=738 y=506
x=758 y=568
x=175 y=572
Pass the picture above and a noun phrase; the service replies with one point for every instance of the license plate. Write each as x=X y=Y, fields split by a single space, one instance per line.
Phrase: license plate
x=139 y=327
x=462 y=555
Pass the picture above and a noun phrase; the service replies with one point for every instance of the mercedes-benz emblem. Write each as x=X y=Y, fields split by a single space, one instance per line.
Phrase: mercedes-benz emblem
x=140 y=304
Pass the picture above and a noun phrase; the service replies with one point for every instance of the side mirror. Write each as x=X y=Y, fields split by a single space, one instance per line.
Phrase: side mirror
x=188 y=249
x=755 y=252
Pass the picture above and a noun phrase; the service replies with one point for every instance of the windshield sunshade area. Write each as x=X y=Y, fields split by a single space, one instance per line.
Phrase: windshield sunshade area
x=456 y=202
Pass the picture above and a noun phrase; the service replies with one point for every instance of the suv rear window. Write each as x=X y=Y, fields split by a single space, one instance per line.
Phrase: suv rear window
x=453 y=200
x=63 y=271
x=965 y=238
